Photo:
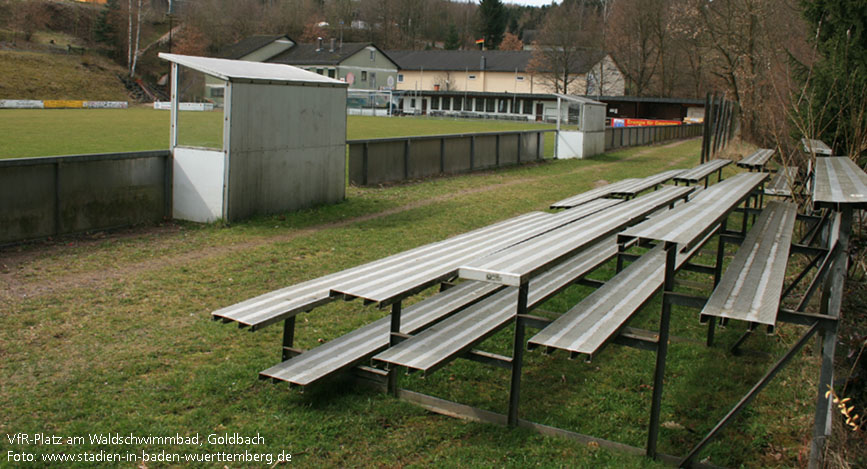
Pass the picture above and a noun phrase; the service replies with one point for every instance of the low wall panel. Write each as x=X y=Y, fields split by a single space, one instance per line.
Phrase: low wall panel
x=457 y=154
x=508 y=150
x=431 y=155
x=385 y=162
x=424 y=158
x=42 y=197
x=486 y=152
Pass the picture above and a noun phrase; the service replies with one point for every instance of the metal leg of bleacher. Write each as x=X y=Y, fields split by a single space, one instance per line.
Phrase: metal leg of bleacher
x=518 y=354
x=779 y=365
x=394 y=338
x=661 y=348
x=830 y=275
x=287 y=351
x=832 y=299
x=717 y=273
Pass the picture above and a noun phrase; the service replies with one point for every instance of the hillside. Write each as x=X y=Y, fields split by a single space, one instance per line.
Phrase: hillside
x=44 y=75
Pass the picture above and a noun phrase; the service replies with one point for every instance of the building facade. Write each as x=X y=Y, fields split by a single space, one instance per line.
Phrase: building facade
x=500 y=72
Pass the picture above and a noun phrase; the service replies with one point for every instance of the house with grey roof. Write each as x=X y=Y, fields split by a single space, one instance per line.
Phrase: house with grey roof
x=360 y=64
x=257 y=48
x=501 y=72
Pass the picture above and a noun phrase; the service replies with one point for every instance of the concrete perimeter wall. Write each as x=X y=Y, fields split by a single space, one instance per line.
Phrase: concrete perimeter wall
x=384 y=160
x=41 y=197
x=618 y=137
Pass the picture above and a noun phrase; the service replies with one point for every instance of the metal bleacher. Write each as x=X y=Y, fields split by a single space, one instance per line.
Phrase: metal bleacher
x=498 y=274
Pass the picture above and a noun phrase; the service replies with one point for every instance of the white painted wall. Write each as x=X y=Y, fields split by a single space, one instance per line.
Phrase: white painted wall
x=579 y=144
x=197 y=188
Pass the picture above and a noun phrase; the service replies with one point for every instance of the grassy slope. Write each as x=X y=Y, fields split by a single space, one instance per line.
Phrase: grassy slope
x=35 y=75
x=121 y=341
x=79 y=131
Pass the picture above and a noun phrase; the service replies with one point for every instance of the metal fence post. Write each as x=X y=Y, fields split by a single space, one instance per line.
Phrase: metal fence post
x=406 y=146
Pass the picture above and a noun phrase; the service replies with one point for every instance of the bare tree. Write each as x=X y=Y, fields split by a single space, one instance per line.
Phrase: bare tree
x=630 y=39
x=511 y=42
x=569 y=34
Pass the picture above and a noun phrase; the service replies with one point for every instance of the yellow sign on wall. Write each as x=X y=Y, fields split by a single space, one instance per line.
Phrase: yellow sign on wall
x=62 y=103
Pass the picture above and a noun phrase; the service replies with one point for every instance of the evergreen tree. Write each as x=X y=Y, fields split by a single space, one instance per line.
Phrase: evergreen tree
x=104 y=30
x=453 y=40
x=493 y=18
x=837 y=86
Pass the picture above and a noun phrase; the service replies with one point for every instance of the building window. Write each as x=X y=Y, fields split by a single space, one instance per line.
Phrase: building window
x=400 y=77
x=412 y=103
x=504 y=106
x=519 y=78
x=217 y=91
x=528 y=106
x=471 y=77
x=489 y=104
x=320 y=71
x=435 y=103
x=447 y=103
x=331 y=73
x=458 y=103
x=363 y=75
x=373 y=56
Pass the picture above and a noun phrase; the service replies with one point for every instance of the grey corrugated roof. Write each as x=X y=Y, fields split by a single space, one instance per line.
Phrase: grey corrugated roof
x=495 y=60
x=248 y=45
x=307 y=54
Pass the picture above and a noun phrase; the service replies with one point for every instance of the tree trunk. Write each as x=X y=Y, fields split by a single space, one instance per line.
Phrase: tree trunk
x=129 y=37
x=137 y=39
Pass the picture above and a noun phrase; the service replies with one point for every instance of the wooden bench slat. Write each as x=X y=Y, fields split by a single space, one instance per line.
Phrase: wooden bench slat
x=440 y=344
x=751 y=286
x=352 y=348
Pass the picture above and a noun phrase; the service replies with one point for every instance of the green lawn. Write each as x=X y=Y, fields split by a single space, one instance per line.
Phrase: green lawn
x=37 y=132
x=113 y=334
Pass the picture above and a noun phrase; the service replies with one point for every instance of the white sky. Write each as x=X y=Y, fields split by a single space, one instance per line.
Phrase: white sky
x=536 y=3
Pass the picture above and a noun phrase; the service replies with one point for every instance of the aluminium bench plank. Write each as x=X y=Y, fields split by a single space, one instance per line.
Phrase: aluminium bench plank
x=640 y=185
x=593 y=194
x=757 y=160
x=839 y=181
x=520 y=262
x=820 y=147
x=782 y=182
x=438 y=345
x=688 y=222
x=750 y=288
x=587 y=326
x=701 y=171
x=277 y=305
x=352 y=348
x=391 y=284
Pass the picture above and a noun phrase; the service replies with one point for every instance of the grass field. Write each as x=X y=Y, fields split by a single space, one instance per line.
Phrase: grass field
x=36 y=132
x=113 y=334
